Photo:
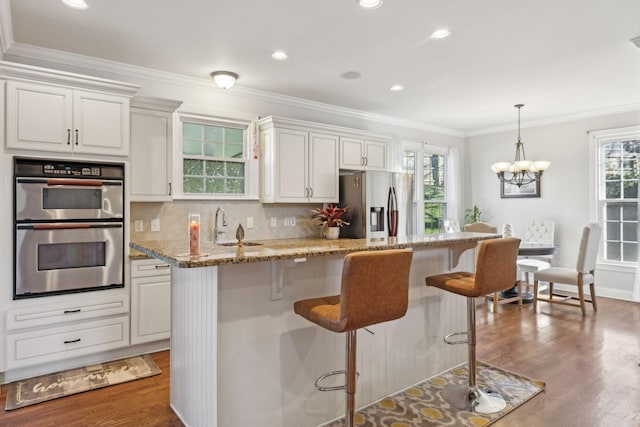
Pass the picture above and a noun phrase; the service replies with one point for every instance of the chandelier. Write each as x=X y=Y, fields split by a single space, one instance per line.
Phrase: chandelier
x=522 y=171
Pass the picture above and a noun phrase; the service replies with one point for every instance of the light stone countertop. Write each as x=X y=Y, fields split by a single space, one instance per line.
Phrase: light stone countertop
x=176 y=253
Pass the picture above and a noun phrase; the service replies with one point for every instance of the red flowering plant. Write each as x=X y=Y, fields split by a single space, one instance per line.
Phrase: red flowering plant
x=331 y=216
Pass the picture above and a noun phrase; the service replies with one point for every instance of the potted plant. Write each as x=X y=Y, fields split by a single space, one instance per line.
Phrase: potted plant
x=472 y=215
x=331 y=220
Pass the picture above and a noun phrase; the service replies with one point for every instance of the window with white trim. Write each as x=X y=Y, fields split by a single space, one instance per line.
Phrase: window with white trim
x=430 y=177
x=213 y=158
x=618 y=164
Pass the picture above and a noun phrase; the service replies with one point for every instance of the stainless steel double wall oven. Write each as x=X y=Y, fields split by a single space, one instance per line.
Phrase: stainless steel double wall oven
x=69 y=226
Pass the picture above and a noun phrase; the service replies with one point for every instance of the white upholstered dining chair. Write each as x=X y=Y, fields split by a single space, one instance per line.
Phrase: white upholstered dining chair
x=538 y=231
x=580 y=277
x=450 y=225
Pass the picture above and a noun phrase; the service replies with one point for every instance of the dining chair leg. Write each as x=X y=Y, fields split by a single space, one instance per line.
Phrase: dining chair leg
x=550 y=290
x=592 y=291
x=519 y=293
x=495 y=302
x=581 y=298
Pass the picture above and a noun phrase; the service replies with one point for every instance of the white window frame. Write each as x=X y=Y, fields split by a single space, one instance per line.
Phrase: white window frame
x=420 y=149
x=251 y=164
x=596 y=140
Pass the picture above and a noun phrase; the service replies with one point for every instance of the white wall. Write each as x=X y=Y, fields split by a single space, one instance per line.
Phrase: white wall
x=565 y=195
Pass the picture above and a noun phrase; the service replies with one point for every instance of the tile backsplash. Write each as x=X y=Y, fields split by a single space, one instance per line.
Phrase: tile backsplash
x=173 y=220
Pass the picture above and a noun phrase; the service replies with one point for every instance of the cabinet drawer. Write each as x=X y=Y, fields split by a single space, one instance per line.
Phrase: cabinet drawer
x=50 y=344
x=78 y=309
x=149 y=267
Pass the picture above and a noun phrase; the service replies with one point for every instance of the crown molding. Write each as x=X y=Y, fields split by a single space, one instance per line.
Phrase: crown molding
x=560 y=119
x=150 y=103
x=54 y=56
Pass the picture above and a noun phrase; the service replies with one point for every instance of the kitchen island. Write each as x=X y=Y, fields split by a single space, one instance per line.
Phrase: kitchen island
x=240 y=356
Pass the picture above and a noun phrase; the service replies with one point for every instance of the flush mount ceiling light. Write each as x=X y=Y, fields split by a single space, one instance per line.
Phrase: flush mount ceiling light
x=522 y=171
x=76 y=4
x=370 y=4
x=441 y=33
x=396 y=88
x=224 y=79
x=280 y=55
x=636 y=41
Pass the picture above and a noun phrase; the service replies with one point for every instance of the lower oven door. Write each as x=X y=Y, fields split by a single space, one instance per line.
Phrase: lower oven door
x=54 y=258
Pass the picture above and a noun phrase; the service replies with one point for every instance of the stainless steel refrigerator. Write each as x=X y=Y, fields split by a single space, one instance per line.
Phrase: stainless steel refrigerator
x=376 y=200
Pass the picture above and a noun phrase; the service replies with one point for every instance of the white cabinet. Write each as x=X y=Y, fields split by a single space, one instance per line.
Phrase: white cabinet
x=362 y=154
x=151 y=149
x=41 y=333
x=298 y=165
x=150 y=300
x=62 y=119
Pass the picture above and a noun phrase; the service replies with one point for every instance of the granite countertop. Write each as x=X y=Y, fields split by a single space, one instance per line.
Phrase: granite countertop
x=176 y=253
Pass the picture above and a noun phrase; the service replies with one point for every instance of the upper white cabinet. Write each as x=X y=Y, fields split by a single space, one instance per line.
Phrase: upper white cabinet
x=49 y=110
x=151 y=148
x=362 y=154
x=298 y=165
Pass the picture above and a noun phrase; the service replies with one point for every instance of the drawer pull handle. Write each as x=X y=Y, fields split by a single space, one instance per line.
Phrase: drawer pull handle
x=77 y=310
x=72 y=341
x=163 y=266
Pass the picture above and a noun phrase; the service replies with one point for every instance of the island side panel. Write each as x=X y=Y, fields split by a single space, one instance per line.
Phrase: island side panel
x=194 y=336
x=271 y=357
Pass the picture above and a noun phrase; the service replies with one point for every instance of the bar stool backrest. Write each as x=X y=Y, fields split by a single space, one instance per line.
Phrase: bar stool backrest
x=496 y=265
x=375 y=287
x=588 y=251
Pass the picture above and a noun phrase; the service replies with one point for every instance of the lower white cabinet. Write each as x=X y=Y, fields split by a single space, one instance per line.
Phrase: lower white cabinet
x=150 y=300
x=79 y=325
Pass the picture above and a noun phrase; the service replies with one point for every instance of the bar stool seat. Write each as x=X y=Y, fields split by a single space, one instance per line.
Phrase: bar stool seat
x=495 y=272
x=374 y=289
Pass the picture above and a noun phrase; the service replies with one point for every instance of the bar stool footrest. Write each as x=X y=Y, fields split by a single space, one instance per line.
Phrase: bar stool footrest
x=449 y=338
x=330 y=374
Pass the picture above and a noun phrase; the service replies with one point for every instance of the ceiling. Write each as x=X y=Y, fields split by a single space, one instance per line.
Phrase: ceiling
x=561 y=58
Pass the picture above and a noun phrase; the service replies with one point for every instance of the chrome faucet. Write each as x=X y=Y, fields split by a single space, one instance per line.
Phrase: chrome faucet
x=216 y=231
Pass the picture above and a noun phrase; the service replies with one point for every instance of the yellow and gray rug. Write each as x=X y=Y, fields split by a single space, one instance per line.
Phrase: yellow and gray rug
x=47 y=387
x=423 y=406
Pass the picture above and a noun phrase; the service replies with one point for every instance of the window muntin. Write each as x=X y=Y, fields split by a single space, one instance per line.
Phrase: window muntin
x=618 y=198
x=213 y=160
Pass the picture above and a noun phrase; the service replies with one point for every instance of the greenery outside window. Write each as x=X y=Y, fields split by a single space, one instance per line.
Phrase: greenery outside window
x=618 y=198
x=430 y=176
x=213 y=157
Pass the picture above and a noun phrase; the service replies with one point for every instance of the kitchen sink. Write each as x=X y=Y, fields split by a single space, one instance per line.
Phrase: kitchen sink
x=243 y=244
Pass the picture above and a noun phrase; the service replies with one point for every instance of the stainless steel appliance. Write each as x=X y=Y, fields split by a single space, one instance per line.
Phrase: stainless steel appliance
x=69 y=226
x=376 y=200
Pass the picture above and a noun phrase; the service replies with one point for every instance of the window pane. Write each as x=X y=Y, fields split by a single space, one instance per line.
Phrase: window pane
x=193 y=148
x=629 y=231
x=213 y=149
x=612 y=212
x=214 y=133
x=235 y=169
x=612 y=189
x=193 y=167
x=234 y=136
x=630 y=212
x=613 y=231
x=433 y=215
x=630 y=189
x=193 y=185
x=215 y=168
x=630 y=252
x=215 y=185
x=233 y=151
x=613 y=251
x=235 y=186
x=192 y=131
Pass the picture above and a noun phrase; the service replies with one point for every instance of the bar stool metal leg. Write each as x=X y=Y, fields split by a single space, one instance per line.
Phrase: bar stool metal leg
x=351 y=379
x=471 y=397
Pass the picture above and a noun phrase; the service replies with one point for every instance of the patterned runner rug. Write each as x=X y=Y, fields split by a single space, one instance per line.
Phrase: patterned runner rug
x=47 y=387
x=422 y=405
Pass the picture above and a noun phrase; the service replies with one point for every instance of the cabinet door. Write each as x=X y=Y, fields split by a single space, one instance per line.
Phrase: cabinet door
x=101 y=123
x=351 y=153
x=39 y=117
x=292 y=148
x=375 y=155
x=150 y=155
x=151 y=309
x=323 y=167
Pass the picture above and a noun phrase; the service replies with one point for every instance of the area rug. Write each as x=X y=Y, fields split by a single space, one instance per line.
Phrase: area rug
x=52 y=386
x=422 y=405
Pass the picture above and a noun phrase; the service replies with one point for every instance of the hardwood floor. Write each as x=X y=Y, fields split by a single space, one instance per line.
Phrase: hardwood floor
x=590 y=365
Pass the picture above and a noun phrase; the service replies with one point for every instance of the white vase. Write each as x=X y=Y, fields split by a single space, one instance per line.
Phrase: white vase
x=332 y=233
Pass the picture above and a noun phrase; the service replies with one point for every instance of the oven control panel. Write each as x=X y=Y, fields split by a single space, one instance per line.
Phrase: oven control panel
x=46 y=168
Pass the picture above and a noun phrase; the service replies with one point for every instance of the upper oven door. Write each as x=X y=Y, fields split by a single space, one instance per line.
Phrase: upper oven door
x=54 y=199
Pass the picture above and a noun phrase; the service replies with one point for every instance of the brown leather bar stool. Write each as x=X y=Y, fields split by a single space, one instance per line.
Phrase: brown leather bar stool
x=495 y=272
x=374 y=289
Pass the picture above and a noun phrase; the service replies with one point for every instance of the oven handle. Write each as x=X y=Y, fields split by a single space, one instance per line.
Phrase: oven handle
x=67 y=226
x=69 y=182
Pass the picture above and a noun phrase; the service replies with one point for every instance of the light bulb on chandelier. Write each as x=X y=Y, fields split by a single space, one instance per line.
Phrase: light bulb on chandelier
x=522 y=171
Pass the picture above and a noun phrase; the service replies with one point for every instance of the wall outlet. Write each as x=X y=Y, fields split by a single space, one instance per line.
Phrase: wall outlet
x=274 y=221
x=286 y=221
x=249 y=222
x=155 y=224
x=292 y=221
x=138 y=226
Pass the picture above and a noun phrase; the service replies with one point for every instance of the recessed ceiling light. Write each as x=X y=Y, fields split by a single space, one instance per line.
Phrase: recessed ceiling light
x=441 y=33
x=396 y=88
x=76 y=4
x=279 y=55
x=351 y=75
x=370 y=4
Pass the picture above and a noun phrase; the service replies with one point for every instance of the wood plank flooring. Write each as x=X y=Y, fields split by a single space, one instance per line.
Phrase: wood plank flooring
x=590 y=365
